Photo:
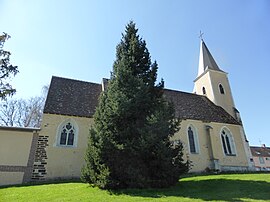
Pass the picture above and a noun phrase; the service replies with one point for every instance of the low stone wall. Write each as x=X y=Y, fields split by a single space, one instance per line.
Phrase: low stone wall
x=235 y=168
x=18 y=152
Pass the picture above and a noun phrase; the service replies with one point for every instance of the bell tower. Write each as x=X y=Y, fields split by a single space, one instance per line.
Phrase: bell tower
x=212 y=82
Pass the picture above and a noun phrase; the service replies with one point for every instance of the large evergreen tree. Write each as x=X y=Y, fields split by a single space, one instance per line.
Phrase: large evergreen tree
x=129 y=144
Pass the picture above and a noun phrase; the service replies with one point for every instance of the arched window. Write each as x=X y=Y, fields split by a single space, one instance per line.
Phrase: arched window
x=67 y=134
x=203 y=90
x=227 y=142
x=193 y=140
x=221 y=89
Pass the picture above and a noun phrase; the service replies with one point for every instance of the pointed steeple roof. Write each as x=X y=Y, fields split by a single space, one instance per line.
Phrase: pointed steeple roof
x=206 y=60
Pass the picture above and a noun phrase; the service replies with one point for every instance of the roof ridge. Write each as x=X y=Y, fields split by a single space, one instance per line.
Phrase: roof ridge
x=259 y=147
x=184 y=92
x=75 y=80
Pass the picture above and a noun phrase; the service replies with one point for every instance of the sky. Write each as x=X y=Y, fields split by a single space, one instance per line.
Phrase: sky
x=77 y=39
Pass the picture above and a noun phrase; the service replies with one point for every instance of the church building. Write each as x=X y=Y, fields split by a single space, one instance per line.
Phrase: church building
x=211 y=131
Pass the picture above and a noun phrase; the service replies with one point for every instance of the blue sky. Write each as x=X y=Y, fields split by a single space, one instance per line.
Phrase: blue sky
x=77 y=39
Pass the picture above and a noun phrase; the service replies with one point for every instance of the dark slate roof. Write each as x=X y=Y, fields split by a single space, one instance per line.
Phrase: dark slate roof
x=80 y=98
x=72 y=97
x=197 y=107
x=260 y=151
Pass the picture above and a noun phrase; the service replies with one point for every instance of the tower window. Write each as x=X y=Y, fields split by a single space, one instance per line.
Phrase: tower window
x=204 y=91
x=221 y=89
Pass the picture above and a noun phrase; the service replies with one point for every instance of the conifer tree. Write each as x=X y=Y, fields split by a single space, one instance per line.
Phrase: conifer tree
x=7 y=70
x=129 y=144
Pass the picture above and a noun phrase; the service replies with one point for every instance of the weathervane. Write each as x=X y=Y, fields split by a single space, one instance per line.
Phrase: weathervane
x=201 y=34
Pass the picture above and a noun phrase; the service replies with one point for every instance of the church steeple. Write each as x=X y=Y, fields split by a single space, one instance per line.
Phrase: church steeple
x=206 y=60
x=213 y=82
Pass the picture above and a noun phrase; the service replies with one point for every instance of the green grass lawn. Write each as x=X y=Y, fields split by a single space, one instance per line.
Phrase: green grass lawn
x=229 y=187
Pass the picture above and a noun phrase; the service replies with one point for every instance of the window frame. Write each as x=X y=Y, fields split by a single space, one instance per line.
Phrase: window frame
x=203 y=90
x=59 y=134
x=227 y=142
x=195 y=139
x=221 y=89
x=261 y=160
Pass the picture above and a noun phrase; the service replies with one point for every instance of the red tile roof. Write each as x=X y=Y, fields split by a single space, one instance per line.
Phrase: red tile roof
x=260 y=151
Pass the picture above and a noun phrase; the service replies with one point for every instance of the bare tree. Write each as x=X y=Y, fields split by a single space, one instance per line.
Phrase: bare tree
x=23 y=112
x=32 y=112
x=9 y=112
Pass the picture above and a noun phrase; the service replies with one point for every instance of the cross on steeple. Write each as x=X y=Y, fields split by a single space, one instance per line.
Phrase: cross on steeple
x=201 y=34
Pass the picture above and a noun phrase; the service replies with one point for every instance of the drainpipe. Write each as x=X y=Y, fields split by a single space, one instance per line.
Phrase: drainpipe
x=210 y=149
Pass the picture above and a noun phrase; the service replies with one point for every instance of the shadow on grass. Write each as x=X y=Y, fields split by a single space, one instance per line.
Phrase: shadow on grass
x=208 y=190
x=37 y=183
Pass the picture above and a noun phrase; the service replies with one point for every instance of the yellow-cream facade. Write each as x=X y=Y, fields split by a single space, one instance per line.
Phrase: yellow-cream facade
x=17 y=148
x=65 y=161
x=211 y=80
x=210 y=154
x=21 y=140
x=213 y=83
